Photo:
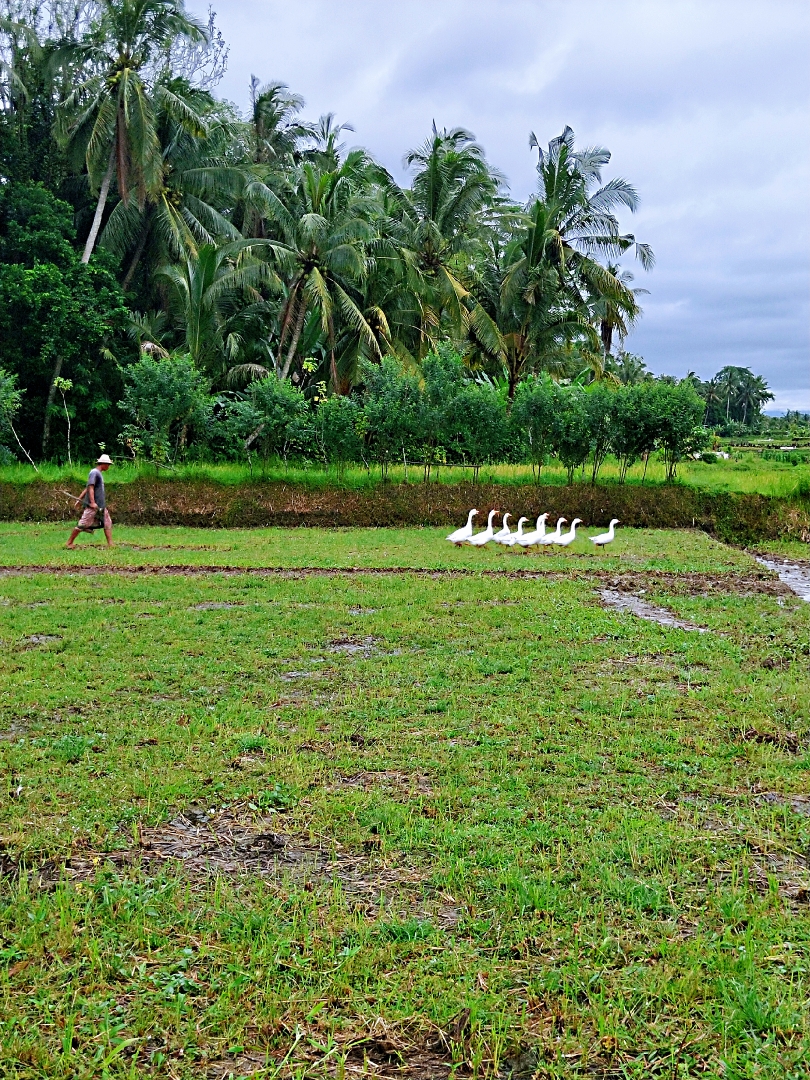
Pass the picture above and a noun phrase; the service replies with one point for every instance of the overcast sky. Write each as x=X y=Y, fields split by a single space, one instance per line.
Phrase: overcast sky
x=705 y=106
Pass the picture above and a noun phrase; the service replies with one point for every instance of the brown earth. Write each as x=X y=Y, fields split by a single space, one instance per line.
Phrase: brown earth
x=738 y=517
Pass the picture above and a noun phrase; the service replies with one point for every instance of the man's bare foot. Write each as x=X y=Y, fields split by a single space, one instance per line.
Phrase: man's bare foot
x=70 y=547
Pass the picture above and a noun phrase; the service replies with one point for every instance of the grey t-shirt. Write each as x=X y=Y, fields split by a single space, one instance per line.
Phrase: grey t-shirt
x=96 y=480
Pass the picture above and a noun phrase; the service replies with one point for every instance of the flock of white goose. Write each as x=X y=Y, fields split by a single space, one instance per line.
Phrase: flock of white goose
x=519 y=538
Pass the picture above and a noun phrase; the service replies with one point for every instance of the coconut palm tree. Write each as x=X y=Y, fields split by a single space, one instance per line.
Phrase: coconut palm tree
x=210 y=288
x=553 y=288
x=752 y=394
x=728 y=384
x=442 y=222
x=628 y=369
x=196 y=183
x=326 y=152
x=617 y=316
x=320 y=248
x=276 y=129
x=110 y=115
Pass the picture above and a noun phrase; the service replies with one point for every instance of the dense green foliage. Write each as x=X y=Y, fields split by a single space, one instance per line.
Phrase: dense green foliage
x=260 y=248
x=444 y=417
x=58 y=319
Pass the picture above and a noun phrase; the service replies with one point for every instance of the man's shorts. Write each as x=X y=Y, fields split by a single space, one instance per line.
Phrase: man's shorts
x=94 y=519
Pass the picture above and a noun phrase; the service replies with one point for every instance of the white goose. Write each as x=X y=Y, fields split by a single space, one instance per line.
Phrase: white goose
x=465 y=532
x=484 y=537
x=504 y=530
x=571 y=535
x=552 y=538
x=530 y=538
x=607 y=537
x=515 y=537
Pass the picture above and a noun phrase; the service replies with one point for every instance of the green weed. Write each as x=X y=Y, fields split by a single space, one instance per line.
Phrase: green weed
x=512 y=816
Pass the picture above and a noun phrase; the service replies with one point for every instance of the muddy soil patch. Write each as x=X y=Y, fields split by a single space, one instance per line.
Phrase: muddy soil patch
x=800 y=804
x=690 y=584
x=34 y=640
x=214 y=605
x=782 y=740
x=635 y=605
x=388 y=780
x=235 y=843
x=14 y=732
x=704 y=585
x=789 y=870
x=354 y=646
x=382 y=1050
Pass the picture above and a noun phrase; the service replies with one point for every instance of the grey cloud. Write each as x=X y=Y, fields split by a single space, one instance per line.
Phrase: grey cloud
x=703 y=103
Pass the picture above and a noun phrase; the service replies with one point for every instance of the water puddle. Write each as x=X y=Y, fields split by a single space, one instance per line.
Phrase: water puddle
x=799 y=804
x=622 y=601
x=43 y=639
x=794 y=575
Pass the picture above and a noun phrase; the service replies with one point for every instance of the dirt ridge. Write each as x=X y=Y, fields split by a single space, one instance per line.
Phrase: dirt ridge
x=204 y=503
x=689 y=582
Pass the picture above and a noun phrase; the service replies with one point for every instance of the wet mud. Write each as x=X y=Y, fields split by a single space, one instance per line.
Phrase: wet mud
x=635 y=605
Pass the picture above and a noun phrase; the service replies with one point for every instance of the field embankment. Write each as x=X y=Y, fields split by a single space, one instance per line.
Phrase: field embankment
x=741 y=517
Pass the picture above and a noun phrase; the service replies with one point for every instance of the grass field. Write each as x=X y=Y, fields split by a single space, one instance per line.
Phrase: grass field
x=344 y=823
x=746 y=472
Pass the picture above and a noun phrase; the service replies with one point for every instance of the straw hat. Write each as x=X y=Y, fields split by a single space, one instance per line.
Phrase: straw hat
x=105 y=459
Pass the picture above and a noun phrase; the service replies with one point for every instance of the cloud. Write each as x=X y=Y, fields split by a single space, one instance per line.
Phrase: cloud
x=704 y=105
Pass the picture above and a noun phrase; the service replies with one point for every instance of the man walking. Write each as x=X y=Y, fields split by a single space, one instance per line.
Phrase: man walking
x=95 y=514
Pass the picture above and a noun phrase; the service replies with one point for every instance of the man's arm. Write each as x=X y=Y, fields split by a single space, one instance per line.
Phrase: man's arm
x=80 y=496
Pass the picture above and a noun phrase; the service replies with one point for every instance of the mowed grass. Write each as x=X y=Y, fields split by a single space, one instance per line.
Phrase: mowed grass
x=571 y=832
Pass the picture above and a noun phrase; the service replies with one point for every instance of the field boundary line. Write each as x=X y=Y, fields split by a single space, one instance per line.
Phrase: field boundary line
x=760 y=581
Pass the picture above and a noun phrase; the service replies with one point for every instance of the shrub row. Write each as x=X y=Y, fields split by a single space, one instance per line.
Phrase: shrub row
x=440 y=413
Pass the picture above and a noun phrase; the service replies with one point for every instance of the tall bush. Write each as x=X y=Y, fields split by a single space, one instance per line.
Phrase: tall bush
x=339 y=425
x=463 y=419
x=599 y=408
x=571 y=431
x=58 y=319
x=394 y=411
x=477 y=415
x=284 y=418
x=167 y=398
x=10 y=399
x=678 y=414
x=533 y=417
x=633 y=424
x=232 y=432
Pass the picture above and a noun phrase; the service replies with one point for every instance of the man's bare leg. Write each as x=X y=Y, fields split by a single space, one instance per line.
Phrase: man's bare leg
x=108 y=532
x=73 y=536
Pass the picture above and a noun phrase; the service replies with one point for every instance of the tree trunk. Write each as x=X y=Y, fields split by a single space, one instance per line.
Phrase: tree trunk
x=606 y=334
x=136 y=258
x=46 y=428
x=333 y=371
x=285 y=325
x=299 y=326
x=99 y=214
